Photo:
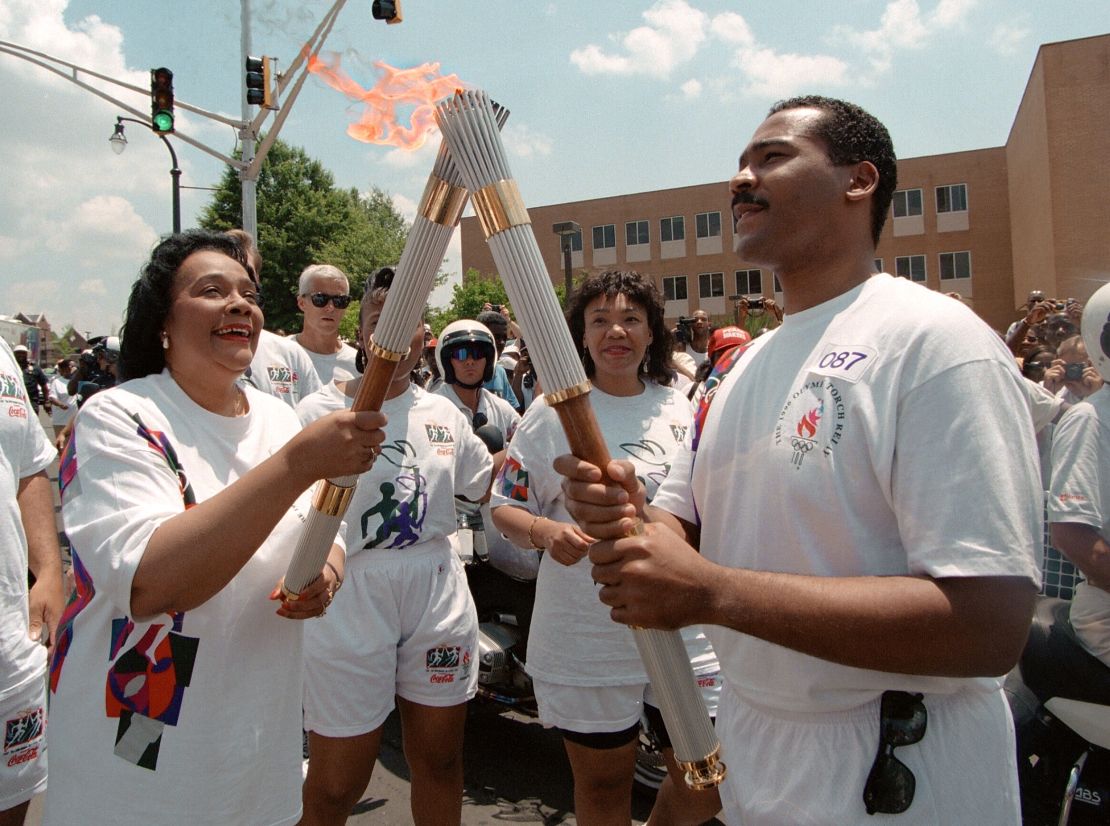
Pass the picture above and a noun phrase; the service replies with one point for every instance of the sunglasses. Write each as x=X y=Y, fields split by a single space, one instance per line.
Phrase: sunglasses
x=890 y=784
x=464 y=353
x=321 y=300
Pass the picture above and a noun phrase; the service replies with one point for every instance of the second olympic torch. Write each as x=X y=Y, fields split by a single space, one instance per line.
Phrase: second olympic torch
x=469 y=128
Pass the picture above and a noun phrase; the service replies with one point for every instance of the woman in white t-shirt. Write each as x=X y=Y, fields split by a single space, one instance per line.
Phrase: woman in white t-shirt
x=406 y=626
x=589 y=680
x=177 y=673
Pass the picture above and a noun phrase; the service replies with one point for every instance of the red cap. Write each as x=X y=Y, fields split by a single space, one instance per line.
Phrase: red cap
x=432 y=342
x=724 y=338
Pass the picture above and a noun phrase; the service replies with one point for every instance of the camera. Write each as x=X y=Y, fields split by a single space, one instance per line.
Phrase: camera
x=1074 y=371
x=686 y=321
x=495 y=307
x=755 y=303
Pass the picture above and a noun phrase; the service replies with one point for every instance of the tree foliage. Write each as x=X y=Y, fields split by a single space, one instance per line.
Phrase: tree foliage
x=304 y=219
x=475 y=291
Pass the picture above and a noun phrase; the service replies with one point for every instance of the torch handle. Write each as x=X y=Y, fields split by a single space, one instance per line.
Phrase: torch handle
x=696 y=748
x=332 y=496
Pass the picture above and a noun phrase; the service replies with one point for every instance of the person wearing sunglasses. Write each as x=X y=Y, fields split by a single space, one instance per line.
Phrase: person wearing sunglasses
x=323 y=298
x=861 y=484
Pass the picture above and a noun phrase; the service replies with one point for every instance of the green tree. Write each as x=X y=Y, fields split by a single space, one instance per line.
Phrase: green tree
x=475 y=291
x=304 y=219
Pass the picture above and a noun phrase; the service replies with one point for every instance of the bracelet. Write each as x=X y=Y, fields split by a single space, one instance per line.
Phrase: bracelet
x=338 y=578
x=531 y=538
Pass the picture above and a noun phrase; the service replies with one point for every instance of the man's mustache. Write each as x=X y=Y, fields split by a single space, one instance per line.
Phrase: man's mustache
x=747 y=197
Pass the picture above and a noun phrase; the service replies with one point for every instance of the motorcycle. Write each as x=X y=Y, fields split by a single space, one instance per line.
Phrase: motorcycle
x=1060 y=698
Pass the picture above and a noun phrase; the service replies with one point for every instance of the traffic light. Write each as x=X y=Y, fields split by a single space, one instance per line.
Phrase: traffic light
x=259 y=82
x=161 y=100
x=387 y=10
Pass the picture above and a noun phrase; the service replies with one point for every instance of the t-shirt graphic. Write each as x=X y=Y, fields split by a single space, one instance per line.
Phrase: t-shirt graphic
x=403 y=502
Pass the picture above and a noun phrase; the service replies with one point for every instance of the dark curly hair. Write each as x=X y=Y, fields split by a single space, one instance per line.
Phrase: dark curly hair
x=141 y=352
x=852 y=135
x=639 y=289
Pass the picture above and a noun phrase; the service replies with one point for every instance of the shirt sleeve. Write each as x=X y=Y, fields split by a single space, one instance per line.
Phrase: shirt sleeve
x=1074 y=493
x=119 y=484
x=974 y=511
x=520 y=482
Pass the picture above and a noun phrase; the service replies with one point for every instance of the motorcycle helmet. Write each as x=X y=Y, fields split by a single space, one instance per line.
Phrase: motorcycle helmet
x=1095 y=329
x=465 y=333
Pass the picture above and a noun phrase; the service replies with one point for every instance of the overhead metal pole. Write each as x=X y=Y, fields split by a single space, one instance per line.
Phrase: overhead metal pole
x=248 y=182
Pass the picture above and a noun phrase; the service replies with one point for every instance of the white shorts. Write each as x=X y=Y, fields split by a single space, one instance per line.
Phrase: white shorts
x=23 y=771
x=809 y=769
x=403 y=624
x=608 y=708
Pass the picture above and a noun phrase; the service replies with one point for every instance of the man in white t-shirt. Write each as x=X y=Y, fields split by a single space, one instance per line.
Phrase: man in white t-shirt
x=1079 y=495
x=280 y=366
x=867 y=536
x=28 y=619
x=323 y=294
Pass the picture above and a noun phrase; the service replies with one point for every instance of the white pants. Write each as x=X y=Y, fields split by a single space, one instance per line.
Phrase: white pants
x=809 y=769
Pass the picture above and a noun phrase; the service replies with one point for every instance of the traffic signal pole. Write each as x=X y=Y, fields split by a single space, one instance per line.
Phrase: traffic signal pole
x=248 y=183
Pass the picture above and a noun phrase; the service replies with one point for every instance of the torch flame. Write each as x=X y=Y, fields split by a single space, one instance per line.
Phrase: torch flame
x=421 y=87
x=807 y=425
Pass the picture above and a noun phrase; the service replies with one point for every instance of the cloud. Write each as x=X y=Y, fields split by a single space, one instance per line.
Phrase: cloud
x=771 y=74
x=521 y=141
x=1008 y=38
x=732 y=28
x=674 y=32
x=903 y=26
x=421 y=158
x=691 y=89
x=405 y=206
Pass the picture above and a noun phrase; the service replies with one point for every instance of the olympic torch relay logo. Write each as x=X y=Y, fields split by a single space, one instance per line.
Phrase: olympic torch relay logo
x=802 y=423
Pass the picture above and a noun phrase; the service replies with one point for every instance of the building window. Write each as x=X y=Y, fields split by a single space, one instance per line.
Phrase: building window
x=636 y=232
x=955 y=265
x=778 y=286
x=674 y=287
x=708 y=224
x=711 y=284
x=907 y=202
x=911 y=267
x=605 y=237
x=672 y=229
x=576 y=242
x=878 y=264
x=952 y=198
x=749 y=282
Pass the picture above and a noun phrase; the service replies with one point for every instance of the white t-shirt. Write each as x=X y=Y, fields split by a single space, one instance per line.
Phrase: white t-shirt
x=332 y=366
x=873 y=434
x=282 y=368
x=699 y=357
x=572 y=640
x=59 y=390
x=429 y=456
x=503 y=554
x=211 y=734
x=24 y=451
x=1045 y=407
x=1080 y=492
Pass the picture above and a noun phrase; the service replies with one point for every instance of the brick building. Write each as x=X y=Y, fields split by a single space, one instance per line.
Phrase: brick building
x=990 y=224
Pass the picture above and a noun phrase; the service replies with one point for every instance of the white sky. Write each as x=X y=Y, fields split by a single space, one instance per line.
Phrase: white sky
x=606 y=98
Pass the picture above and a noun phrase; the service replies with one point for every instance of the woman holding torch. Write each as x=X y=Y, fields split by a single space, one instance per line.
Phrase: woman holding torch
x=406 y=626
x=589 y=679
x=176 y=682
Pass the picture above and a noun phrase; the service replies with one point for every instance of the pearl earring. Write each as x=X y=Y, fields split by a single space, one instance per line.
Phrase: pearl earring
x=165 y=341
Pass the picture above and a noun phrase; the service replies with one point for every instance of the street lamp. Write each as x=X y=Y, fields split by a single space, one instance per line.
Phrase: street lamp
x=566 y=230
x=119 y=143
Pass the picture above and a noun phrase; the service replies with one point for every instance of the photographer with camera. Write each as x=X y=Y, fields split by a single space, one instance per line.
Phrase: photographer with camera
x=757 y=314
x=1072 y=376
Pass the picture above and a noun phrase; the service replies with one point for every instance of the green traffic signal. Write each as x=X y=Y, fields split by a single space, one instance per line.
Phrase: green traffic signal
x=161 y=100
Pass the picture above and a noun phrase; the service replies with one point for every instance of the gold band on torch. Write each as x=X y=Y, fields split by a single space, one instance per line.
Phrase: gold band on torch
x=442 y=203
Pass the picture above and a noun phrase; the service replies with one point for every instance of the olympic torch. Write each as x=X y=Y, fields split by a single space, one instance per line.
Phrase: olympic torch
x=470 y=130
x=437 y=216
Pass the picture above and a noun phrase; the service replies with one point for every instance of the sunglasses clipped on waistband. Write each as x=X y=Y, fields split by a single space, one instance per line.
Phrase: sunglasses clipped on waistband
x=890 y=785
x=321 y=300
